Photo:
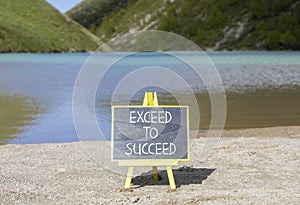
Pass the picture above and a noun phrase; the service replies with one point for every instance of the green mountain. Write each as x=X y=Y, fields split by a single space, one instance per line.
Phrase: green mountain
x=212 y=24
x=35 y=26
x=90 y=13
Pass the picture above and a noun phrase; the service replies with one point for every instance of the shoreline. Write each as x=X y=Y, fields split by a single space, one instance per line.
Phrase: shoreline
x=249 y=166
x=290 y=131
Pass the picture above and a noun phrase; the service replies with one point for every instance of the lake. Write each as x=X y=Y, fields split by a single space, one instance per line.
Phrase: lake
x=262 y=90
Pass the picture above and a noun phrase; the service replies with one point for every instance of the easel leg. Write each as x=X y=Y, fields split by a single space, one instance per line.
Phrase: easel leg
x=129 y=177
x=155 y=174
x=171 y=178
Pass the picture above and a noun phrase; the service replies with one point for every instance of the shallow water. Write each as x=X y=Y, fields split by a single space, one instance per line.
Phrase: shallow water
x=262 y=89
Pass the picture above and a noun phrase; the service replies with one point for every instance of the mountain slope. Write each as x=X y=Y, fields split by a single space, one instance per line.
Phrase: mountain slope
x=212 y=24
x=90 y=13
x=35 y=26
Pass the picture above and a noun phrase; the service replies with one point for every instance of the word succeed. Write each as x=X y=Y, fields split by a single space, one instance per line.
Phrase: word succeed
x=150 y=132
x=157 y=148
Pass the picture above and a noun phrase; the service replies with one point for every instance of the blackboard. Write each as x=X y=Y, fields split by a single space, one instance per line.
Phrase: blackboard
x=150 y=132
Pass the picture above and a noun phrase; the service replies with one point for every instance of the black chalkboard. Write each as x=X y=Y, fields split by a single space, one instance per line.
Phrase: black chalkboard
x=150 y=132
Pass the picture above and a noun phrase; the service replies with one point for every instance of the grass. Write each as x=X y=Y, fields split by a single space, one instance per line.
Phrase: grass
x=35 y=26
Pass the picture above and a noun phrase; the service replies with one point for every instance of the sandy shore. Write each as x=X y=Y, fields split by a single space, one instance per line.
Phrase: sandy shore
x=251 y=166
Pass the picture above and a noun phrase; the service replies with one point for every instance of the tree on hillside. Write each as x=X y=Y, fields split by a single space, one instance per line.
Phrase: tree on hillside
x=288 y=40
x=261 y=29
x=273 y=40
x=258 y=8
x=169 y=21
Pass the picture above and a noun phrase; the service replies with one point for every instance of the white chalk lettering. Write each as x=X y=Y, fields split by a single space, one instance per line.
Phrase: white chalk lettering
x=161 y=116
x=132 y=117
x=143 y=150
x=154 y=116
x=149 y=149
x=157 y=148
x=145 y=117
x=165 y=148
x=140 y=117
x=170 y=117
x=146 y=130
x=151 y=132
x=138 y=150
x=174 y=148
x=128 y=147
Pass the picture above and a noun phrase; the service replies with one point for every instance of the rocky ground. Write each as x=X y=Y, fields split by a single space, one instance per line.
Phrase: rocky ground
x=251 y=166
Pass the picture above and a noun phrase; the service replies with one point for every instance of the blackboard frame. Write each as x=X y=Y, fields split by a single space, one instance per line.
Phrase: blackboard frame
x=145 y=162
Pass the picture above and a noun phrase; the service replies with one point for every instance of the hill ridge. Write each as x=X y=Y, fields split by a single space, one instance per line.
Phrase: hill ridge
x=214 y=25
x=35 y=26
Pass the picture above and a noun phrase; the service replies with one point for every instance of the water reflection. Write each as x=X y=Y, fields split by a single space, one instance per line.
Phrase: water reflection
x=16 y=113
x=248 y=109
x=262 y=90
x=256 y=108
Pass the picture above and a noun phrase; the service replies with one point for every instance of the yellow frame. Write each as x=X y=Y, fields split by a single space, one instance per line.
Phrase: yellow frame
x=150 y=100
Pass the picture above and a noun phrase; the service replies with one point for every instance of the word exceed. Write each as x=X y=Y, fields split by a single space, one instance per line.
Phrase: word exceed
x=153 y=116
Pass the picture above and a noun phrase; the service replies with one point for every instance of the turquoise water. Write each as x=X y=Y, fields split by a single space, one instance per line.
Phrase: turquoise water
x=235 y=57
x=262 y=90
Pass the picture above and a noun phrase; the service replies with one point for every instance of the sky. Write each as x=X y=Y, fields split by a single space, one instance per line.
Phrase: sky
x=63 y=5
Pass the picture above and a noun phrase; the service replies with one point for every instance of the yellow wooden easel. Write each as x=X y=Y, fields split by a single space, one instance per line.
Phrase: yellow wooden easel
x=150 y=99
